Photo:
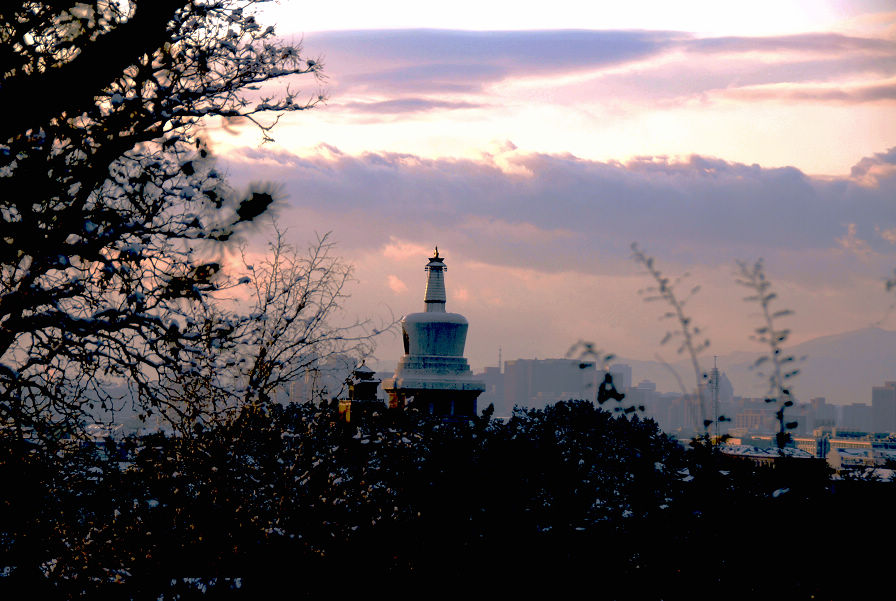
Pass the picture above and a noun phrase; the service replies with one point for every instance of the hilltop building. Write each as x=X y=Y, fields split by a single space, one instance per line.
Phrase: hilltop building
x=433 y=374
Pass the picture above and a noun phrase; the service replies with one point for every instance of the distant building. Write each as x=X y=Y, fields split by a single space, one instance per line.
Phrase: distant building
x=493 y=394
x=644 y=394
x=538 y=382
x=647 y=385
x=322 y=380
x=816 y=446
x=718 y=394
x=765 y=455
x=843 y=459
x=857 y=416
x=686 y=413
x=622 y=376
x=823 y=414
x=726 y=389
x=433 y=374
x=755 y=420
x=883 y=407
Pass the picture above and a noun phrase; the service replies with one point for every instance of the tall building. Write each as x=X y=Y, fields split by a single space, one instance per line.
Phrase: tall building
x=883 y=407
x=538 y=382
x=726 y=389
x=644 y=394
x=714 y=387
x=494 y=391
x=824 y=415
x=433 y=374
x=857 y=416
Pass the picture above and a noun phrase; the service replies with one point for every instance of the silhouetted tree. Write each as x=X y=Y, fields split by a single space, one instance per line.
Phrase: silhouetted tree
x=691 y=337
x=283 y=321
x=106 y=187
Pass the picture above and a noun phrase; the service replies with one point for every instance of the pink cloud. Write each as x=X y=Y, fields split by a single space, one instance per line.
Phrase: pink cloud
x=412 y=71
x=400 y=250
x=396 y=285
x=874 y=169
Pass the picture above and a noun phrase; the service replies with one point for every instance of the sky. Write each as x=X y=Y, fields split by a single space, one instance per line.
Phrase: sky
x=535 y=142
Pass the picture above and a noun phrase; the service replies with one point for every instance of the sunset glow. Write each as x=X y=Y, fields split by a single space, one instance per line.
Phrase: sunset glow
x=534 y=143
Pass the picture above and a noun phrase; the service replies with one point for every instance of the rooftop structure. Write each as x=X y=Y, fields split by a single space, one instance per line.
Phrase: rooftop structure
x=433 y=373
x=362 y=398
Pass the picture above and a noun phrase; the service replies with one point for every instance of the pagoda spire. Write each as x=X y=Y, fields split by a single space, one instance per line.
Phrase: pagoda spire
x=434 y=298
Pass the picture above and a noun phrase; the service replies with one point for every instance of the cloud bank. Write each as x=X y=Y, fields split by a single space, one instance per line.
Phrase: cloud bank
x=550 y=211
x=390 y=64
x=545 y=239
x=816 y=101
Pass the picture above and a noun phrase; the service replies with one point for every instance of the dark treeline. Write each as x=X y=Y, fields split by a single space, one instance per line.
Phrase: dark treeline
x=550 y=500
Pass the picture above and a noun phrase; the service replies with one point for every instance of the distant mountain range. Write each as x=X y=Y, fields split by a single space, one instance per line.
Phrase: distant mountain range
x=842 y=368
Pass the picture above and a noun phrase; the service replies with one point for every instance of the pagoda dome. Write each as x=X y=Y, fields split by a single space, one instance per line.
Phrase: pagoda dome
x=433 y=331
x=442 y=334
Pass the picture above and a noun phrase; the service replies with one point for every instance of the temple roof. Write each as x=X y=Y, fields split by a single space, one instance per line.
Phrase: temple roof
x=363 y=369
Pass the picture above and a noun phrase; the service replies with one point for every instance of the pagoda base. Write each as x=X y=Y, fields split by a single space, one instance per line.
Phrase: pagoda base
x=444 y=403
x=439 y=385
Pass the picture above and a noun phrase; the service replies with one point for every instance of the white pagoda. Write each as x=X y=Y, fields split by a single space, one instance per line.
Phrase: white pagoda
x=433 y=374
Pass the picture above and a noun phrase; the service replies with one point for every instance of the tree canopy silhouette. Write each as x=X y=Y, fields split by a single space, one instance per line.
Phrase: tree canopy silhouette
x=295 y=499
x=106 y=187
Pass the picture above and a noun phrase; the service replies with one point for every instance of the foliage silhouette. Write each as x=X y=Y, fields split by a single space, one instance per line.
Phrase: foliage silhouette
x=781 y=364
x=293 y=497
x=690 y=335
x=109 y=192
